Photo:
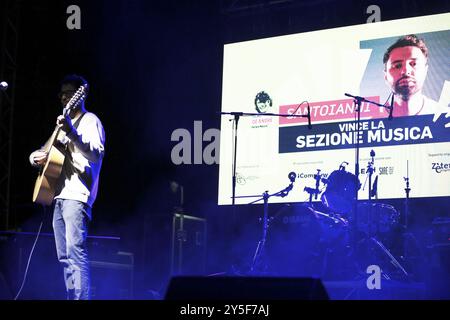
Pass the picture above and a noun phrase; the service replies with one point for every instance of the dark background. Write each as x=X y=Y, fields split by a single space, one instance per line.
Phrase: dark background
x=153 y=67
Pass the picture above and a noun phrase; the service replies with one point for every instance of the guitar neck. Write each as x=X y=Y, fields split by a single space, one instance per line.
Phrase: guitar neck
x=76 y=99
x=57 y=130
x=52 y=139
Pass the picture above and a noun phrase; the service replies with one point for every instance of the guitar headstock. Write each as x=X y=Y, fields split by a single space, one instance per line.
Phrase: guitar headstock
x=76 y=99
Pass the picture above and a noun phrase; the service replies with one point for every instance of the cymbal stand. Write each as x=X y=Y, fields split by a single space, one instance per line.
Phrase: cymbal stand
x=406 y=214
x=407 y=191
x=374 y=239
x=371 y=223
x=370 y=170
x=388 y=253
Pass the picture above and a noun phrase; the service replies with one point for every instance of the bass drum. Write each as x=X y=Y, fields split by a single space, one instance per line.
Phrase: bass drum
x=297 y=239
x=376 y=218
x=340 y=193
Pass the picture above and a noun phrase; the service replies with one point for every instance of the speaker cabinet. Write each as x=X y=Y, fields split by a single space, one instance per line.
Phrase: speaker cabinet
x=174 y=244
x=113 y=278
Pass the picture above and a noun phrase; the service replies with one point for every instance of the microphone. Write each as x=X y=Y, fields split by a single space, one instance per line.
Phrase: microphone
x=292 y=176
x=309 y=118
x=392 y=107
x=358 y=98
x=3 y=86
x=285 y=192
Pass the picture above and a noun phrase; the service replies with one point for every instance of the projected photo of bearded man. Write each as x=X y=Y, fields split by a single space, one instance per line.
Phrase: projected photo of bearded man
x=405 y=71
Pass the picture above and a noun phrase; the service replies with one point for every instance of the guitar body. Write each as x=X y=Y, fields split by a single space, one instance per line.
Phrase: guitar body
x=44 y=188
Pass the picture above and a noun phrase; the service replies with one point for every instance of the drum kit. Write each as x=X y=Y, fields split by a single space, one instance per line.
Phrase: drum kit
x=325 y=238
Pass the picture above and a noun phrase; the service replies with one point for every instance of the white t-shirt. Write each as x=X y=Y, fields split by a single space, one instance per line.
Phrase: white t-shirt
x=430 y=106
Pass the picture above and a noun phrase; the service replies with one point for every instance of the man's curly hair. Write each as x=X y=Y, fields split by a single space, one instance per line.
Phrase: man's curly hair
x=410 y=40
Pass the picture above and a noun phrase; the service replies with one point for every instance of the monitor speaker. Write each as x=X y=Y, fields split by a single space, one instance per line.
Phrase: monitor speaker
x=245 y=288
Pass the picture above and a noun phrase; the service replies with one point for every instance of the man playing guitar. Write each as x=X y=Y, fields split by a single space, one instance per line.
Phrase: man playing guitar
x=81 y=139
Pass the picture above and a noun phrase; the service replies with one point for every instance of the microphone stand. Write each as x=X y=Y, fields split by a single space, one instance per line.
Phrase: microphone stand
x=236 y=117
x=265 y=226
x=235 y=120
x=358 y=101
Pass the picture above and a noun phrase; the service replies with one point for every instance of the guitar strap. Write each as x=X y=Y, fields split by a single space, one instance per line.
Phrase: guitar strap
x=77 y=123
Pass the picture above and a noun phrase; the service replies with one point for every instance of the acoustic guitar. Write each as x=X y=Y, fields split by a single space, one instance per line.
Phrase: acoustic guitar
x=44 y=188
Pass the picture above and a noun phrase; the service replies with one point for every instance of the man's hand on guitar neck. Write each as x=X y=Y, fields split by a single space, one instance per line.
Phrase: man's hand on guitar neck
x=39 y=157
x=65 y=123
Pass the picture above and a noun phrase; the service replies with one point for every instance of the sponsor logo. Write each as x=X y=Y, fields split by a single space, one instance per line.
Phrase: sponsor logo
x=263 y=102
x=385 y=170
x=382 y=171
x=241 y=180
x=440 y=167
x=310 y=175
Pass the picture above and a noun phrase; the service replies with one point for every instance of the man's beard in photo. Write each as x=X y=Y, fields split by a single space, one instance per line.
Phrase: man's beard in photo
x=406 y=90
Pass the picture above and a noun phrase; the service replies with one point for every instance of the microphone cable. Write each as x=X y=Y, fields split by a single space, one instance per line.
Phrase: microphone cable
x=302 y=115
x=29 y=257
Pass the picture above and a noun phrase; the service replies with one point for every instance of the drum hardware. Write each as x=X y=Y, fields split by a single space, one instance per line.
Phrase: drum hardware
x=380 y=218
x=407 y=191
x=299 y=236
x=374 y=192
x=370 y=213
x=301 y=239
x=370 y=170
x=372 y=250
x=317 y=178
x=257 y=257
x=367 y=219
x=312 y=192
x=406 y=235
x=376 y=218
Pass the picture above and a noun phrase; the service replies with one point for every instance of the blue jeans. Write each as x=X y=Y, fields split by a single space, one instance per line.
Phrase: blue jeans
x=70 y=225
